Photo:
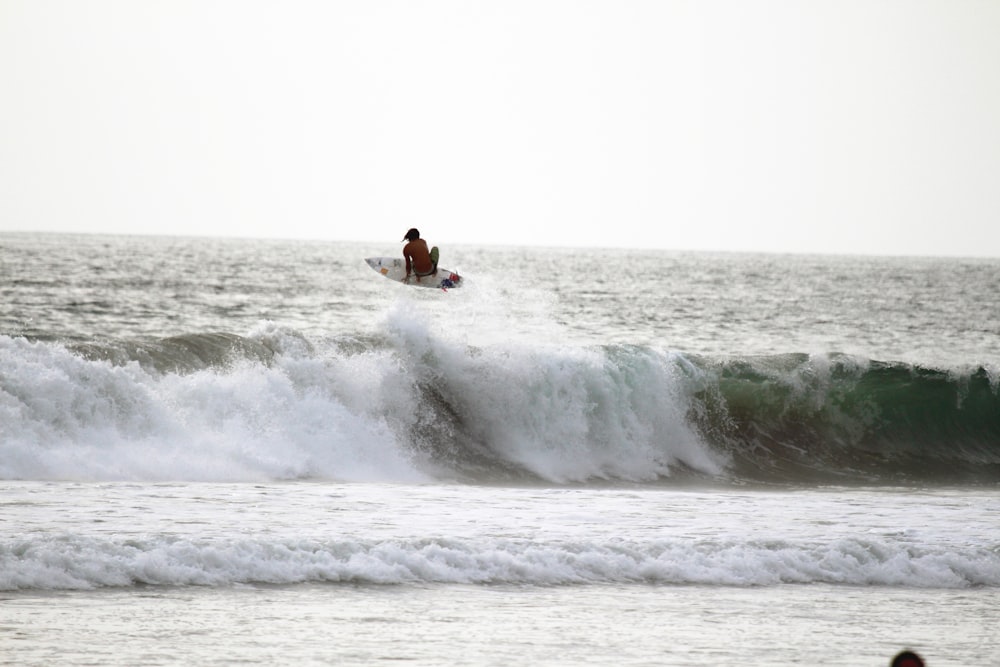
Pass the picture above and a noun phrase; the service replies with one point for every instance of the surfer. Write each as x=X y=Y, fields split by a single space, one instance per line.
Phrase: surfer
x=419 y=260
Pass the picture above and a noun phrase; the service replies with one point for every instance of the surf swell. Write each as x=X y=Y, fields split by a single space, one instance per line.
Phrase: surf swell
x=411 y=406
x=76 y=562
x=839 y=417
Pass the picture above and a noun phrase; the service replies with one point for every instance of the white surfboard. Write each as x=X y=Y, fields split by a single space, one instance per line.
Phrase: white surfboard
x=394 y=268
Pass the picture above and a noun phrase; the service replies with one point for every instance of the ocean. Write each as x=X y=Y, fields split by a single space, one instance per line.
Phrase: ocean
x=256 y=452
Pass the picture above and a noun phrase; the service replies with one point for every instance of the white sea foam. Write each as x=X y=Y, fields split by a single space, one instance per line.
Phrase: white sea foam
x=67 y=417
x=375 y=413
x=565 y=413
x=68 y=562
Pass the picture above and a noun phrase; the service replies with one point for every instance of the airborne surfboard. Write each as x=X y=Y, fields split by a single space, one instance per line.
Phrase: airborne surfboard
x=394 y=268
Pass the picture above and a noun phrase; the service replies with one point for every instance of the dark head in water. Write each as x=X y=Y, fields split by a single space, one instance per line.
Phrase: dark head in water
x=412 y=235
x=907 y=659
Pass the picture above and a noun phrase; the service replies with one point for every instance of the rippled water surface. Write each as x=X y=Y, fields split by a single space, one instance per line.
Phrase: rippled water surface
x=261 y=452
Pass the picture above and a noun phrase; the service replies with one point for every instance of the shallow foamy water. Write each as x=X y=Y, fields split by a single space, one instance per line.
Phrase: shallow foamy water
x=314 y=573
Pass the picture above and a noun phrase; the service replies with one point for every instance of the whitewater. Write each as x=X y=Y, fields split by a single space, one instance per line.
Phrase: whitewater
x=218 y=451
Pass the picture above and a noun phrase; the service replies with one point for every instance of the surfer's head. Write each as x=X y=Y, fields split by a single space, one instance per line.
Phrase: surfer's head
x=412 y=235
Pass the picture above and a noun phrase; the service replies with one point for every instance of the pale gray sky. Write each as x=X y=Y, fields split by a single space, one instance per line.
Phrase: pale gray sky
x=869 y=126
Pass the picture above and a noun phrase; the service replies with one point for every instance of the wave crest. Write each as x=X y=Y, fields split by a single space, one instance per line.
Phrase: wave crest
x=411 y=406
x=73 y=562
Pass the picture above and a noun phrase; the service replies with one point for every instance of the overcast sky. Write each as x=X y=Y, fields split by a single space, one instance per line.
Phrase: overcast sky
x=869 y=126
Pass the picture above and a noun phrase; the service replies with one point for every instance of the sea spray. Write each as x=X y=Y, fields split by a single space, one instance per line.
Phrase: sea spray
x=417 y=404
x=68 y=417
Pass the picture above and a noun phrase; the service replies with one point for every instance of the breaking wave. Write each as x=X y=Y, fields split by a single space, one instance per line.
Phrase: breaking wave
x=410 y=406
x=75 y=562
